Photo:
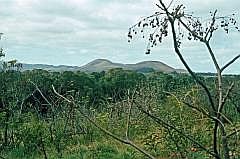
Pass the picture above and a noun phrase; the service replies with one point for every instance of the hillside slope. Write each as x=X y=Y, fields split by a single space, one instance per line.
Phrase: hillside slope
x=99 y=65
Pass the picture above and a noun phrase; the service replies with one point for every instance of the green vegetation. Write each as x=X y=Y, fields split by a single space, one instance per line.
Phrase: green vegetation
x=125 y=114
x=171 y=20
x=37 y=123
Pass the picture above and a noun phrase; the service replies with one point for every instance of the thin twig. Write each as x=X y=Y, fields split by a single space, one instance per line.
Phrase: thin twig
x=159 y=6
x=128 y=117
x=191 y=31
x=148 y=17
x=210 y=29
x=226 y=96
x=198 y=109
x=40 y=92
x=170 y=4
x=233 y=133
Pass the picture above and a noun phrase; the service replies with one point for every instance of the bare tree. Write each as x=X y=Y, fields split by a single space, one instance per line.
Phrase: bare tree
x=175 y=22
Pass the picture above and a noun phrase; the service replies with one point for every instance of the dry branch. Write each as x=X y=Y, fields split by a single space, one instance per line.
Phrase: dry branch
x=125 y=141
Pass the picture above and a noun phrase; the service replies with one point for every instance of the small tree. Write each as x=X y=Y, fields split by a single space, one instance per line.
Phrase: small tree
x=175 y=22
x=9 y=65
x=1 y=49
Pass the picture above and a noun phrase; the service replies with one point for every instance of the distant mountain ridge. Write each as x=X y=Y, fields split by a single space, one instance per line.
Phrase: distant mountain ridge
x=49 y=67
x=99 y=65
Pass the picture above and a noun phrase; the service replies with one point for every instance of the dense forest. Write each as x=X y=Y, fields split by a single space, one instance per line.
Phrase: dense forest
x=37 y=121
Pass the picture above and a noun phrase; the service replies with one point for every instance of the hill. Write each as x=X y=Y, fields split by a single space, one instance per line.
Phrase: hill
x=99 y=65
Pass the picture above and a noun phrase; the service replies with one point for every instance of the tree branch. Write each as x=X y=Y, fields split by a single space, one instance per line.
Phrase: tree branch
x=170 y=4
x=226 y=96
x=211 y=29
x=125 y=141
x=191 y=31
x=212 y=56
x=189 y=69
x=40 y=92
x=128 y=116
x=233 y=133
x=165 y=9
x=230 y=62
x=165 y=124
x=198 y=109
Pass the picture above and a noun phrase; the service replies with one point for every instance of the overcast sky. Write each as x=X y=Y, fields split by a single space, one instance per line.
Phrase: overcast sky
x=74 y=32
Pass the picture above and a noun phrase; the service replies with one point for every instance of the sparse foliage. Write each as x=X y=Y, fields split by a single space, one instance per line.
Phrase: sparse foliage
x=175 y=22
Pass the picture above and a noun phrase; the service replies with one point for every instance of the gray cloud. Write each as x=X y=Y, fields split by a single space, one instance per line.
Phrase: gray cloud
x=75 y=32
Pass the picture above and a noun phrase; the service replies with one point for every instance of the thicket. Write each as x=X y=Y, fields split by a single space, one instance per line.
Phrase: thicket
x=37 y=123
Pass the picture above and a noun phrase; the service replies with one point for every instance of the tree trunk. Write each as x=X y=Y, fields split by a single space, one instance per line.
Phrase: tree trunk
x=6 y=128
x=225 y=147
